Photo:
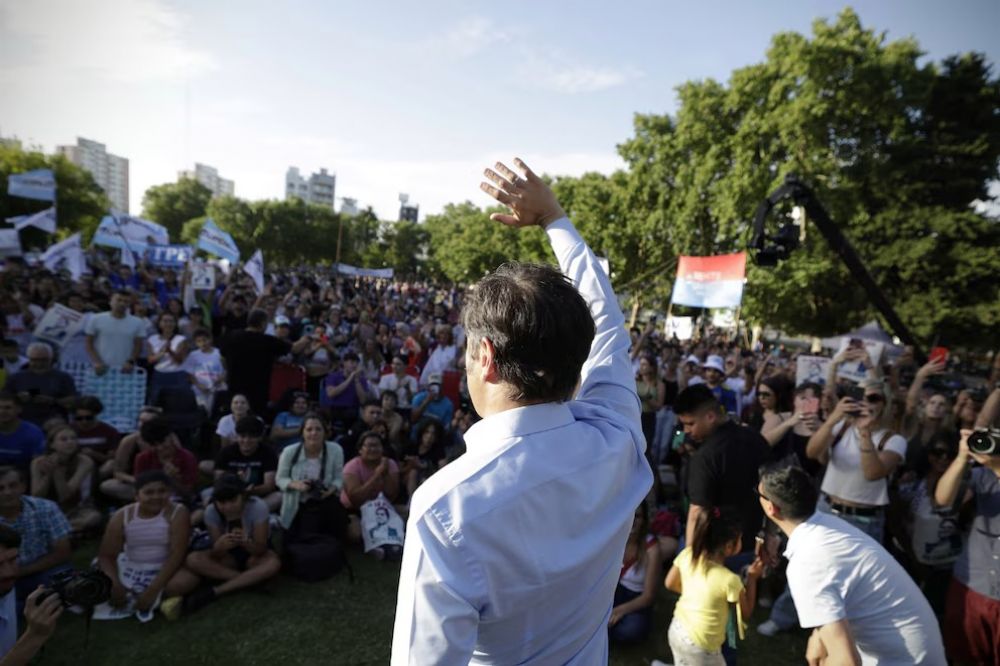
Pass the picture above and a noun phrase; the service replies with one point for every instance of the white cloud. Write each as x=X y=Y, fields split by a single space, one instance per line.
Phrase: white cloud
x=120 y=41
x=584 y=79
x=472 y=35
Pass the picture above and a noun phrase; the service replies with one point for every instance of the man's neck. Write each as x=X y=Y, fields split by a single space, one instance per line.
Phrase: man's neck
x=787 y=526
x=118 y=315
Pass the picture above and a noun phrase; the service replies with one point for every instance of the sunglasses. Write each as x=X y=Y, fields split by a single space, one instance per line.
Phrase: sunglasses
x=875 y=398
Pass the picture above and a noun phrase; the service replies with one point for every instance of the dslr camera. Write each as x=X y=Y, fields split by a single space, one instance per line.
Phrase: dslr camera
x=79 y=588
x=985 y=441
x=316 y=490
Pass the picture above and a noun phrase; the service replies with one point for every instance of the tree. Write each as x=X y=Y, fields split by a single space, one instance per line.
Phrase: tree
x=896 y=150
x=80 y=202
x=173 y=204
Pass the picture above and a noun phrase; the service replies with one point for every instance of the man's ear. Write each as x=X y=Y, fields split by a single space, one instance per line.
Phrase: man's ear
x=487 y=361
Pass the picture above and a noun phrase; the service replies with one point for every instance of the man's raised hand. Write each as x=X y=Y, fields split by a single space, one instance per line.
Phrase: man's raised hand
x=529 y=199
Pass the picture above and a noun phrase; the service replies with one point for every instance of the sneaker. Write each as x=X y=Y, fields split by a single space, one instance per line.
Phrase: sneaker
x=769 y=628
x=198 y=599
x=171 y=608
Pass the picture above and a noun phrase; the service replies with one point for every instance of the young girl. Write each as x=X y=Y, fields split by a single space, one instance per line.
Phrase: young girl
x=709 y=592
x=641 y=568
x=66 y=476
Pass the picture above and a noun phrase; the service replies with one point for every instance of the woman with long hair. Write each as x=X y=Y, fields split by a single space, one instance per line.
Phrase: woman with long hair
x=642 y=565
x=66 y=477
x=652 y=394
x=166 y=351
x=310 y=477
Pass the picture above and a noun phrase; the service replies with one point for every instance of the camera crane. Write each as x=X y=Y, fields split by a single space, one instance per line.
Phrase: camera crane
x=769 y=250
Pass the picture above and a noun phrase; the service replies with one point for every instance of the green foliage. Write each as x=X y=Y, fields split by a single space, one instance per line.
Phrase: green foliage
x=80 y=203
x=173 y=204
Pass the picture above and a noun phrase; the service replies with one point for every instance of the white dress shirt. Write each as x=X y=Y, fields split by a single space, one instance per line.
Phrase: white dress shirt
x=514 y=550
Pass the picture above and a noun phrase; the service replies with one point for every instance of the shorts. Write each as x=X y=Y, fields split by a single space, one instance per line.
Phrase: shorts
x=971 y=626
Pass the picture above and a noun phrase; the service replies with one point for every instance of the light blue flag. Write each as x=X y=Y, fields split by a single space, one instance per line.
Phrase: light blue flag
x=216 y=241
x=110 y=233
x=44 y=220
x=139 y=231
x=37 y=184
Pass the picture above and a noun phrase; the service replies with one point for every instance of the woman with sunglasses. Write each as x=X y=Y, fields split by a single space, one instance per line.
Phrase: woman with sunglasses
x=861 y=453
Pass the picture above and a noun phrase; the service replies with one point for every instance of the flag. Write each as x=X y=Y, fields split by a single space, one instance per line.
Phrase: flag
x=710 y=282
x=128 y=258
x=255 y=269
x=140 y=231
x=354 y=271
x=68 y=254
x=111 y=233
x=37 y=184
x=10 y=244
x=44 y=220
x=216 y=241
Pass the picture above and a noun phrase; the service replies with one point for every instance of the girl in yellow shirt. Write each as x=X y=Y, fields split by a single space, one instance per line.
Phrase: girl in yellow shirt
x=712 y=597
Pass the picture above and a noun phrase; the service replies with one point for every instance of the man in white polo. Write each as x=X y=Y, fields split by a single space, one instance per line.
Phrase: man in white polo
x=861 y=604
x=514 y=550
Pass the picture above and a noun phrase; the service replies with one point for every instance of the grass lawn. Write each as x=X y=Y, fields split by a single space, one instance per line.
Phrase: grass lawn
x=333 y=622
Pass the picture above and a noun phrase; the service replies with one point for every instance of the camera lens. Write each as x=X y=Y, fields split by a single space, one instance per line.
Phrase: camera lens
x=983 y=442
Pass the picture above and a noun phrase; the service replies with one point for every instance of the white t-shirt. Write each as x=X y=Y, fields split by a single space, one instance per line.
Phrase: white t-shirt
x=226 y=428
x=405 y=388
x=206 y=367
x=441 y=359
x=114 y=337
x=844 y=477
x=167 y=362
x=837 y=572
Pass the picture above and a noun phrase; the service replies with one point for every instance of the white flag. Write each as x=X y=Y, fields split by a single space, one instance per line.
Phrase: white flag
x=255 y=269
x=63 y=251
x=44 y=220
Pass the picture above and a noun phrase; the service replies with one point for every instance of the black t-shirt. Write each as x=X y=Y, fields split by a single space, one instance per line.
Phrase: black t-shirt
x=723 y=473
x=249 y=357
x=250 y=469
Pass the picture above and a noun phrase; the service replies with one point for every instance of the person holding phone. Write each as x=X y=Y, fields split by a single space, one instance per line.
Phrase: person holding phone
x=431 y=403
x=861 y=453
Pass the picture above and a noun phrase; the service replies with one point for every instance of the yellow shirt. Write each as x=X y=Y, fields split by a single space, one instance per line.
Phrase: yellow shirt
x=703 y=608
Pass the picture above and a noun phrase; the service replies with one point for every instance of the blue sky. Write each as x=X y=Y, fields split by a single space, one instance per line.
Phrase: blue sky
x=393 y=97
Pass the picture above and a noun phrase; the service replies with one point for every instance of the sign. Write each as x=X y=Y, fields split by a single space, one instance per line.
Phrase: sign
x=380 y=524
x=202 y=276
x=216 y=241
x=38 y=184
x=811 y=369
x=169 y=256
x=59 y=324
x=710 y=282
x=44 y=220
x=857 y=371
x=10 y=243
x=681 y=327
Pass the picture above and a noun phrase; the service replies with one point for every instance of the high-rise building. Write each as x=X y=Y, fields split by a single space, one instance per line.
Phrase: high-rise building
x=348 y=206
x=110 y=172
x=210 y=178
x=318 y=189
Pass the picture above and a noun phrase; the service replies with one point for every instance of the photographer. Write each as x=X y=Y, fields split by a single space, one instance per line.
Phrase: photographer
x=861 y=454
x=972 y=609
x=310 y=476
x=40 y=617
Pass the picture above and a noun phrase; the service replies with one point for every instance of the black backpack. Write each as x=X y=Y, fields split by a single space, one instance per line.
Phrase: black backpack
x=316 y=557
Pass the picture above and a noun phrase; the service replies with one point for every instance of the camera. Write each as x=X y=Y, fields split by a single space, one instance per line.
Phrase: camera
x=985 y=441
x=79 y=588
x=316 y=490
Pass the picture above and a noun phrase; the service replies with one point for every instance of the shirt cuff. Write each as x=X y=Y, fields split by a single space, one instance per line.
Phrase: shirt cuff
x=562 y=232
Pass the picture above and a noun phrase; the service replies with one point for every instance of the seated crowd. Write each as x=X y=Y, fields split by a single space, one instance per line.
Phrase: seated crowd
x=283 y=473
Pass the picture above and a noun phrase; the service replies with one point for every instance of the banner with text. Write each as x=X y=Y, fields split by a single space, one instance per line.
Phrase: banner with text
x=169 y=256
x=216 y=241
x=710 y=282
x=59 y=324
x=354 y=271
x=38 y=184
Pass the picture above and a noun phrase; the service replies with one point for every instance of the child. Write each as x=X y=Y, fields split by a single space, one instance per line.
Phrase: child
x=206 y=370
x=704 y=617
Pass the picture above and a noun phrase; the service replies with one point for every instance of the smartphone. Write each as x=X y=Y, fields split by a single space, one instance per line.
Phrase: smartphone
x=233 y=525
x=855 y=392
x=856 y=343
x=939 y=355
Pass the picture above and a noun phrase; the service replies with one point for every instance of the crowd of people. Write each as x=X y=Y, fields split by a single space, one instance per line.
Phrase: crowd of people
x=324 y=402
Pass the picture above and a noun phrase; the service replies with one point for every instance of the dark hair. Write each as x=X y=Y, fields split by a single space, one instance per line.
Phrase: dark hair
x=694 y=399
x=10 y=396
x=91 y=403
x=351 y=356
x=809 y=386
x=313 y=416
x=11 y=469
x=389 y=394
x=783 y=391
x=372 y=402
x=159 y=322
x=539 y=325
x=713 y=530
x=250 y=425
x=227 y=487
x=155 y=430
x=9 y=537
x=791 y=489
x=367 y=434
x=257 y=319
x=152 y=476
x=202 y=333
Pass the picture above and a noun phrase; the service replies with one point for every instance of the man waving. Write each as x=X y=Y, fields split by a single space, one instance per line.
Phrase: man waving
x=514 y=550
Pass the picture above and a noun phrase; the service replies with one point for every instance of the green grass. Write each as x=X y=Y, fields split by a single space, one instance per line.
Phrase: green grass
x=334 y=622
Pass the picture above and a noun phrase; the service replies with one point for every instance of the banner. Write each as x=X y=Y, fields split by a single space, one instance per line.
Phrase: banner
x=111 y=234
x=202 y=276
x=811 y=369
x=10 y=243
x=710 y=282
x=384 y=273
x=59 y=324
x=169 y=256
x=857 y=371
x=128 y=258
x=255 y=269
x=216 y=241
x=143 y=231
x=681 y=327
x=44 y=220
x=68 y=252
x=38 y=184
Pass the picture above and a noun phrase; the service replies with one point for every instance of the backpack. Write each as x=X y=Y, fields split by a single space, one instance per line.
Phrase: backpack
x=316 y=557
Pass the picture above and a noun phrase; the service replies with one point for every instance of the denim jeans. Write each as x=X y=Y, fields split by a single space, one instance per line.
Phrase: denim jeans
x=634 y=627
x=783 y=611
x=873 y=526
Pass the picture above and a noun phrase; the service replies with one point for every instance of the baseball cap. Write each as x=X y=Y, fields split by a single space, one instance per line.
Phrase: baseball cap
x=714 y=363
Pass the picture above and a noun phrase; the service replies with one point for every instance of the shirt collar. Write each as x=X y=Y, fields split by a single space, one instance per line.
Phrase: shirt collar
x=798 y=534
x=493 y=431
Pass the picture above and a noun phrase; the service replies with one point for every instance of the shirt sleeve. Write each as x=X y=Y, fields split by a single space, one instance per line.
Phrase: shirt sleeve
x=437 y=619
x=702 y=481
x=816 y=593
x=896 y=444
x=90 y=328
x=606 y=378
x=57 y=524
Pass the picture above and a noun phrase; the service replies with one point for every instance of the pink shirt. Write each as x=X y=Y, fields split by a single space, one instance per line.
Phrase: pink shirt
x=360 y=470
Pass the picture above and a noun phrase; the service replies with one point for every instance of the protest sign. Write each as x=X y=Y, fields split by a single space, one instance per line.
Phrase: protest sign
x=10 y=243
x=169 y=256
x=59 y=324
x=202 y=276
x=681 y=327
x=710 y=282
x=811 y=369
x=857 y=371
x=38 y=184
